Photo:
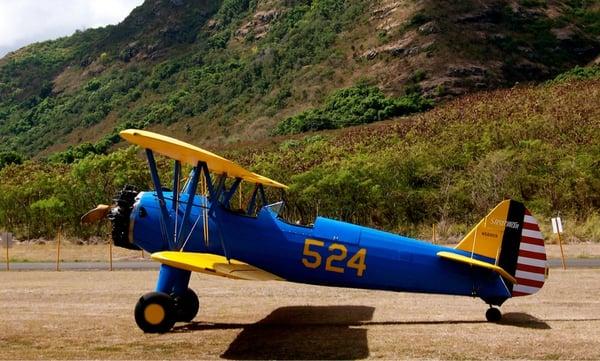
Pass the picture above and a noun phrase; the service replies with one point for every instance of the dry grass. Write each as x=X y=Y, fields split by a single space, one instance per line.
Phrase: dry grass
x=84 y=315
x=69 y=252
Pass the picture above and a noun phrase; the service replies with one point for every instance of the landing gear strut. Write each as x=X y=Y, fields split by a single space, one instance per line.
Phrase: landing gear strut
x=493 y=314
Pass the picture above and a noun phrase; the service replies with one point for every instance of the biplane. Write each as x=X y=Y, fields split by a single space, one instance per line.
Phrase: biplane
x=198 y=226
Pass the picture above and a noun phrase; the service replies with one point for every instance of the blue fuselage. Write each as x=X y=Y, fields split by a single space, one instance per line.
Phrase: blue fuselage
x=329 y=253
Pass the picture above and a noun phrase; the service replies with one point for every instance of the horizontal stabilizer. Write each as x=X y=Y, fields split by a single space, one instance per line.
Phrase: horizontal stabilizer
x=214 y=265
x=477 y=263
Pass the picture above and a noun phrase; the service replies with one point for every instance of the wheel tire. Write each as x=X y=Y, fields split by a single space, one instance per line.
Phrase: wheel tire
x=187 y=306
x=493 y=314
x=155 y=312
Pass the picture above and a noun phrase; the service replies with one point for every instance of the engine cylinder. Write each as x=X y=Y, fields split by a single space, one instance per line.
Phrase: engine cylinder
x=120 y=217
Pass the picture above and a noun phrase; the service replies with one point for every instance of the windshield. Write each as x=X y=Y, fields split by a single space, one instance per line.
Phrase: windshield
x=276 y=207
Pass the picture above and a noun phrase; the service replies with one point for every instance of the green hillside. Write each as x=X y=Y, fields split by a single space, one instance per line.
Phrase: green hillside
x=221 y=72
x=538 y=144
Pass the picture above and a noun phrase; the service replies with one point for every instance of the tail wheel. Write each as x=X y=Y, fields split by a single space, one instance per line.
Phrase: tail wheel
x=187 y=306
x=155 y=312
x=493 y=314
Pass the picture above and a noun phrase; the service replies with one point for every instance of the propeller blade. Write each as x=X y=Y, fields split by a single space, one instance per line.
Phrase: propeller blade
x=96 y=214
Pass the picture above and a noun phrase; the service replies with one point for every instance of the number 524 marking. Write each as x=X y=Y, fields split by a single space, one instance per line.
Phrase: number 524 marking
x=337 y=253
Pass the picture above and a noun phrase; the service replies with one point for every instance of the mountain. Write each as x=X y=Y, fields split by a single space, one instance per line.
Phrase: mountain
x=218 y=72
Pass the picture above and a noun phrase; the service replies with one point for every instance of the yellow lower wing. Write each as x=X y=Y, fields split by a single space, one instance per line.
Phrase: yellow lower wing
x=477 y=263
x=214 y=265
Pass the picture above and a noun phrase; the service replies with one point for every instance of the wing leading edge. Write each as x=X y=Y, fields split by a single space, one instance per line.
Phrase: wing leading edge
x=214 y=265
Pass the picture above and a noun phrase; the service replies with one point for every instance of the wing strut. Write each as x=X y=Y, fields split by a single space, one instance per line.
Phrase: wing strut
x=258 y=189
x=208 y=179
x=164 y=219
x=231 y=192
x=252 y=202
x=176 y=180
x=175 y=204
x=216 y=194
x=190 y=189
x=201 y=174
x=204 y=205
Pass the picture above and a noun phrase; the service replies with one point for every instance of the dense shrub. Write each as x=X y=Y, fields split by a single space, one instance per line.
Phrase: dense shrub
x=36 y=198
x=578 y=73
x=7 y=158
x=360 y=104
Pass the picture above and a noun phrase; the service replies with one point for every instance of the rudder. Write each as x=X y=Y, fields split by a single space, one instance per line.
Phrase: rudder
x=531 y=263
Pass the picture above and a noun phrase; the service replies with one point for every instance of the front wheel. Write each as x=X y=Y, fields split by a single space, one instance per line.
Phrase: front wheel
x=187 y=306
x=155 y=312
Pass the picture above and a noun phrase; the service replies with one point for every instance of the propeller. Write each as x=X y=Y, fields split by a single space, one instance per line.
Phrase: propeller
x=118 y=214
x=96 y=214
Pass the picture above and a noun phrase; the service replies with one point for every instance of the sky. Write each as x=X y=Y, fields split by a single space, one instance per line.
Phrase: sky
x=24 y=22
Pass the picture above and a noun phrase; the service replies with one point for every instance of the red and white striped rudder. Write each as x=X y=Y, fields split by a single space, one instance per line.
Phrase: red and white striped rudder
x=531 y=262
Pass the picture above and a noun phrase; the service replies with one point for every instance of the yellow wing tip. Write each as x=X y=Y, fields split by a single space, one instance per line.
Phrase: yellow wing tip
x=157 y=256
x=126 y=132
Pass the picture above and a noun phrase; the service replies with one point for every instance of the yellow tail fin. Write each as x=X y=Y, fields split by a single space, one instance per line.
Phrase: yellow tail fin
x=486 y=238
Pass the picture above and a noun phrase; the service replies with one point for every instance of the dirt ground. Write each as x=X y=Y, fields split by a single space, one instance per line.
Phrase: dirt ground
x=575 y=250
x=70 y=252
x=89 y=315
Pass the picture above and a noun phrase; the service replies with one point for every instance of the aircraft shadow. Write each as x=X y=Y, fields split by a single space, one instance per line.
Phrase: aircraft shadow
x=521 y=319
x=321 y=332
x=299 y=333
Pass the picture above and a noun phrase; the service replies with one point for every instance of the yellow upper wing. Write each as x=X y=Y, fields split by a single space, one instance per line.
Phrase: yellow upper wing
x=214 y=265
x=187 y=153
x=477 y=263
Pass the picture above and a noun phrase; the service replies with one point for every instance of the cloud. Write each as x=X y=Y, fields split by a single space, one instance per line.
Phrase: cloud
x=27 y=21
